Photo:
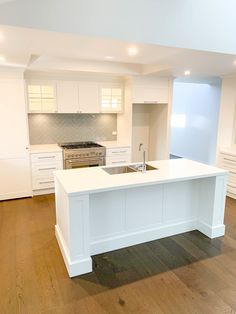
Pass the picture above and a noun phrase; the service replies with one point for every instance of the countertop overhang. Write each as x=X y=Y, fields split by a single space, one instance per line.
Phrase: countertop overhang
x=95 y=179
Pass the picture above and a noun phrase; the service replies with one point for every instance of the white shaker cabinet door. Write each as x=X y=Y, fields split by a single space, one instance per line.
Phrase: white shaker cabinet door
x=67 y=97
x=14 y=156
x=89 y=97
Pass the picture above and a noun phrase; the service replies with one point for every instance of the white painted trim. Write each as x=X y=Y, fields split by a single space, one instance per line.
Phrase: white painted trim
x=19 y=194
x=211 y=232
x=142 y=236
x=230 y=194
x=43 y=192
x=74 y=268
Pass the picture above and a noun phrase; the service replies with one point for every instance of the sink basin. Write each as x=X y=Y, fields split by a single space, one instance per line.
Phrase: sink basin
x=120 y=169
x=139 y=167
x=128 y=169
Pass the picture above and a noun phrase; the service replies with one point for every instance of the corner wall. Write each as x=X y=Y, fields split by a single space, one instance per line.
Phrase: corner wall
x=195 y=121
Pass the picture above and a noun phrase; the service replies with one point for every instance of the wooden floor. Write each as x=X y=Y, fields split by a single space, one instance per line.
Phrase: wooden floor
x=188 y=273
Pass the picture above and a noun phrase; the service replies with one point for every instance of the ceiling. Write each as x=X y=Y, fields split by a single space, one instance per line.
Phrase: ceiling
x=42 y=50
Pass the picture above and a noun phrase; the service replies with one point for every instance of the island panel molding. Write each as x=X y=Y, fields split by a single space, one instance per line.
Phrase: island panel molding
x=94 y=221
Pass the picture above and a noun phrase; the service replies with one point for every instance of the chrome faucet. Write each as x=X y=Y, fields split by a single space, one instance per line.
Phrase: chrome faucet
x=144 y=157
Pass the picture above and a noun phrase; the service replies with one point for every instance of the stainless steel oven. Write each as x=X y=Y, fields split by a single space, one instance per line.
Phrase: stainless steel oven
x=83 y=154
x=84 y=162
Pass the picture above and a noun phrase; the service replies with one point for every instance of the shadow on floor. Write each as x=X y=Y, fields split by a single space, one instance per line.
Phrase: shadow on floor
x=124 y=266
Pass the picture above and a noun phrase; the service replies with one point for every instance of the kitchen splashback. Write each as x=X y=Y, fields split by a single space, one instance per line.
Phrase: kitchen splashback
x=56 y=128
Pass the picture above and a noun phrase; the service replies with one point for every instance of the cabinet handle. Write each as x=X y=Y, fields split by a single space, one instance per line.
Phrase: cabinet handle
x=46 y=182
x=118 y=162
x=46 y=157
x=231 y=160
x=119 y=152
x=41 y=169
x=150 y=102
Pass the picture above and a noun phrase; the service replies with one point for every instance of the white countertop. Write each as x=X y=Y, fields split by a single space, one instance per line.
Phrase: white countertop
x=45 y=148
x=95 y=179
x=113 y=144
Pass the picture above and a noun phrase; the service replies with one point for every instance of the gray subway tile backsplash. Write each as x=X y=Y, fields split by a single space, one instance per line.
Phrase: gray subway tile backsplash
x=56 y=128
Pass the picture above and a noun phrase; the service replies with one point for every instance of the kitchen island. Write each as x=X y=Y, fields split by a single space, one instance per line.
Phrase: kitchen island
x=97 y=211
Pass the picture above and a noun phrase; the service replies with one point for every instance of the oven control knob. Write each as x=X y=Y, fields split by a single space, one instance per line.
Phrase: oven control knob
x=87 y=154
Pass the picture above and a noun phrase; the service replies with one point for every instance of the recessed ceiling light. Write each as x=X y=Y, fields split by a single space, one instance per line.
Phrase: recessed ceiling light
x=187 y=72
x=109 y=57
x=132 y=51
x=2 y=59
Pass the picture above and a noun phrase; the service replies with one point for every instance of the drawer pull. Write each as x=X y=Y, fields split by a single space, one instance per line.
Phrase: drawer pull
x=120 y=152
x=41 y=169
x=46 y=157
x=150 y=102
x=46 y=182
x=231 y=160
x=118 y=162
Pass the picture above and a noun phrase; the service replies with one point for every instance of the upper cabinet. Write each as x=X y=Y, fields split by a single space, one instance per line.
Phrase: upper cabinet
x=67 y=97
x=111 y=98
x=78 y=97
x=74 y=97
x=89 y=97
x=150 y=90
x=41 y=97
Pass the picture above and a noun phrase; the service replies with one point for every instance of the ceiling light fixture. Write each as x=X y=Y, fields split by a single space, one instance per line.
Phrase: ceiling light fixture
x=187 y=72
x=2 y=59
x=132 y=51
x=109 y=57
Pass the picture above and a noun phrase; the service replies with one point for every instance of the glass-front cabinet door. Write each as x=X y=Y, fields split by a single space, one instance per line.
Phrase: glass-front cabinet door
x=41 y=97
x=111 y=99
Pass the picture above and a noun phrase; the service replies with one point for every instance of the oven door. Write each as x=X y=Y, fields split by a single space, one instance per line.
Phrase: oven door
x=83 y=162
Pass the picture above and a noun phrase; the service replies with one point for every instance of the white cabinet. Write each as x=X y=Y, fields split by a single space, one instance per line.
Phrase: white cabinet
x=42 y=167
x=227 y=161
x=89 y=97
x=150 y=90
x=41 y=97
x=118 y=155
x=111 y=98
x=14 y=157
x=67 y=97
x=78 y=97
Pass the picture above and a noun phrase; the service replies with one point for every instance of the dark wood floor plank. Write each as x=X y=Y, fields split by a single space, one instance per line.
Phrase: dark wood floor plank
x=187 y=273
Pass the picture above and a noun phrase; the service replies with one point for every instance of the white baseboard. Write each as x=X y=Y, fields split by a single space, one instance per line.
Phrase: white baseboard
x=15 y=195
x=77 y=267
x=43 y=191
x=211 y=232
x=142 y=236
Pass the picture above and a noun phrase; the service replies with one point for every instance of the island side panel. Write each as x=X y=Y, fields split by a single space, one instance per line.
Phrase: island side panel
x=135 y=215
x=73 y=230
x=212 y=196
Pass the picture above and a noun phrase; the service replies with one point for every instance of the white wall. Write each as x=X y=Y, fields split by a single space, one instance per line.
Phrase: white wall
x=227 y=113
x=195 y=121
x=203 y=25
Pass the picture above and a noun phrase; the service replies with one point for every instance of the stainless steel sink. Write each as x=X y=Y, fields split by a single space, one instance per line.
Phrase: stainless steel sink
x=139 y=167
x=128 y=169
x=120 y=169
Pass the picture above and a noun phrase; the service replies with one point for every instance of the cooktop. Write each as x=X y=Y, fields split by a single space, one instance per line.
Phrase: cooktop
x=76 y=145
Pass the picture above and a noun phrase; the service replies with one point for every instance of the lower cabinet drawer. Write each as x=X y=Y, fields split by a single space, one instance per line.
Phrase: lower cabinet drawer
x=118 y=151
x=43 y=183
x=42 y=170
x=118 y=160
